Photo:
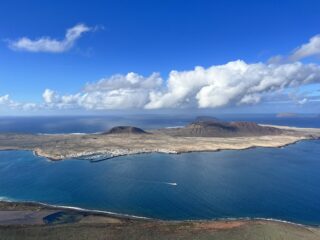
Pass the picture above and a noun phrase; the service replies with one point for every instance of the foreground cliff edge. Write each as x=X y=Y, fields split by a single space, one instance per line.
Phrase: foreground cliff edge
x=35 y=221
x=204 y=134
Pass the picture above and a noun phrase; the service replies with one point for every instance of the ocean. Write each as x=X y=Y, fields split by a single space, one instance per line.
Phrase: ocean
x=277 y=183
x=92 y=124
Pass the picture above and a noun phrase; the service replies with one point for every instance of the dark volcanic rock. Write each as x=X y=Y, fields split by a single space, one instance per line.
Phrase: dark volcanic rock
x=126 y=130
x=208 y=127
x=253 y=129
x=212 y=127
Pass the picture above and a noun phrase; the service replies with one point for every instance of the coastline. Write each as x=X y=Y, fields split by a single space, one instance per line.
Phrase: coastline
x=164 y=151
x=70 y=146
x=139 y=218
x=84 y=156
x=106 y=155
x=37 y=221
x=4 y=201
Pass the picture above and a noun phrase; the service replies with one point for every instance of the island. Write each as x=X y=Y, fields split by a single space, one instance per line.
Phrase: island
x=203 y=134
x=27 y=220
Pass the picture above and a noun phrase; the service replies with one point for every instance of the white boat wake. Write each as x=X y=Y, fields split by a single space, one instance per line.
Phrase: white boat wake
x=172 y=183
x=166 y=183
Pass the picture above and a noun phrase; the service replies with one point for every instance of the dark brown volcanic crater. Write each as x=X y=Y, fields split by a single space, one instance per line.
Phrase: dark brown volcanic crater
x=126 y=130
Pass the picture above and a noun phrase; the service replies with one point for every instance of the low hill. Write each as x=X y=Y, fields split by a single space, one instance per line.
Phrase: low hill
x=126 y=130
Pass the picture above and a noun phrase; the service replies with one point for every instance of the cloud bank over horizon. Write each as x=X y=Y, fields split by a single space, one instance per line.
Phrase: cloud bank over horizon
x=232 y=84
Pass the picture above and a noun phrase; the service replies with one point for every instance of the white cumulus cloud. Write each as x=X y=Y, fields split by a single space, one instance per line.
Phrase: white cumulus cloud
x=117 y=92
x=311 y=48
x=47 y=44
x=7 y=103
x=49 y=96
x=5 y=99
x=233 y=83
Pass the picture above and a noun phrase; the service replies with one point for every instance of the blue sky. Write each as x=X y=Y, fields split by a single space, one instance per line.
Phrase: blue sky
x=112 y=62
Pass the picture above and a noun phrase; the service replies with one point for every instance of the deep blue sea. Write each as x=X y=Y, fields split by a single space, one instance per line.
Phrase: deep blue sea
x=278 y=183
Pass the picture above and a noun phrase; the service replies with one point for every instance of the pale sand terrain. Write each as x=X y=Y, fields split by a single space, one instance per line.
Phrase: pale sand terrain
x=64 y=146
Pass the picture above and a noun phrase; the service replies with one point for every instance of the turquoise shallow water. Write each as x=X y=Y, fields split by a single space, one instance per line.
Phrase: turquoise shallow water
x=279 y=183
